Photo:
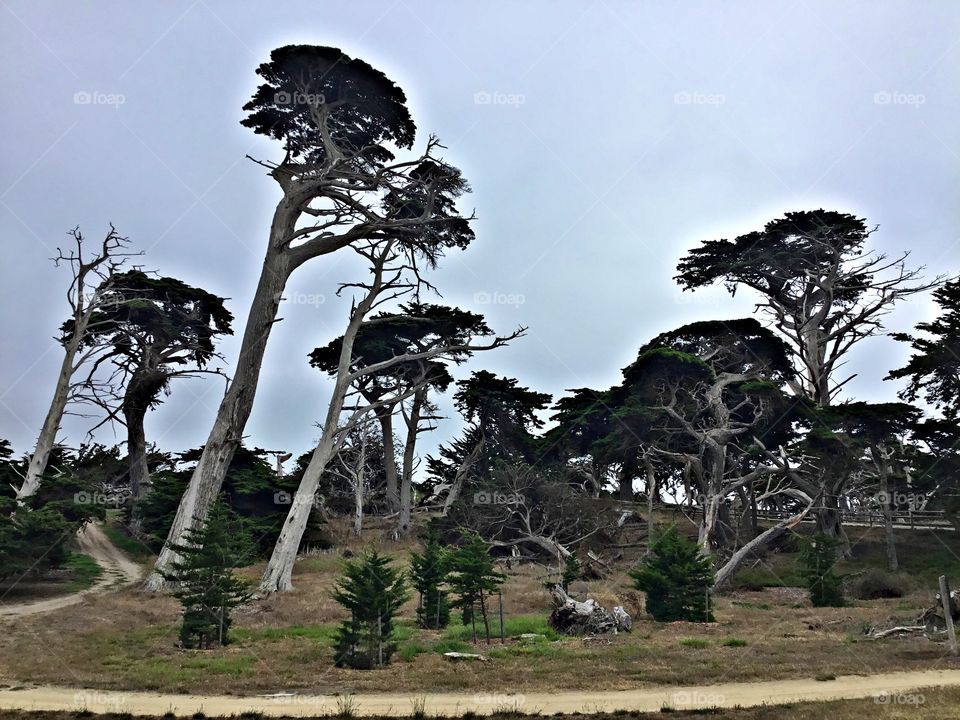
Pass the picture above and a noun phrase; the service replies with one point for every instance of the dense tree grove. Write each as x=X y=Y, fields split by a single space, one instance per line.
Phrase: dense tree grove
x=719 y=419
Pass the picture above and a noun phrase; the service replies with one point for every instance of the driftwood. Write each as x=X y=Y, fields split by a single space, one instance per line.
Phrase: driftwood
x=459 y=656
x=931 y=622
x=573 y=617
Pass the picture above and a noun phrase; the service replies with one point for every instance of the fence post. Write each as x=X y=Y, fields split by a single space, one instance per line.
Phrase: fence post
x=948 y=614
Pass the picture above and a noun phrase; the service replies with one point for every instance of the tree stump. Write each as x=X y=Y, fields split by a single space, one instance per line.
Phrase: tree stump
x=572 y=617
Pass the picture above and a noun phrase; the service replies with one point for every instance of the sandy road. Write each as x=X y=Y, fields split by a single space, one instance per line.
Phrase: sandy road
x=902 y=688
x=117 y=570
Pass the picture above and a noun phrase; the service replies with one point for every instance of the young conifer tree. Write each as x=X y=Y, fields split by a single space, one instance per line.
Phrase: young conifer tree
x=473 y=579
x=429 y=572
x=202 y=577
x=676 y=578
x=373 y=591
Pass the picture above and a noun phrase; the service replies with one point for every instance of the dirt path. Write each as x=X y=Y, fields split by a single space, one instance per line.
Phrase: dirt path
x=896 y=687
x=117 y=570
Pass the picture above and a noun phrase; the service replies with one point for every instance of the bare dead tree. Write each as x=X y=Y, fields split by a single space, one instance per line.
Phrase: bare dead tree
x=78 y=382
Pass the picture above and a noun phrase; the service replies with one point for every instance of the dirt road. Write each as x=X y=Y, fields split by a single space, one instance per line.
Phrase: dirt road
x=903 y=688
x=117 y=570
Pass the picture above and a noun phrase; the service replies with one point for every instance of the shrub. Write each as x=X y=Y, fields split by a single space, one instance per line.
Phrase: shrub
x=676 y=579
x=876 y=583
x=817 y=557
x=373 y=591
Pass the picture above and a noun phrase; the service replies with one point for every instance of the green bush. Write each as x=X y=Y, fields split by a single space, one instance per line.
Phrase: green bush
x=817 y=558
x=676 y=579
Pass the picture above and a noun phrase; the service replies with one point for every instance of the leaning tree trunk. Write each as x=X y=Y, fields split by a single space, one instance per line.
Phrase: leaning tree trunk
x=457 y=485
x=279 y=572
x=51 y=425
x=234 y=410
x=406 y=477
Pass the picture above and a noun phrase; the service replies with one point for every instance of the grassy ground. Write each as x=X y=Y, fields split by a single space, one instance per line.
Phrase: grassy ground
x=928 y=704
x=766 y=629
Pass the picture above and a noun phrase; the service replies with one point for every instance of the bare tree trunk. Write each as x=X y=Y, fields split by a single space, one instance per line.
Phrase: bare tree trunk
x=237 y=403
x=279 y=571
x=51 y=425
x=883 y=471
x=626 y=481
x=137 y=463
x=461 y=476
x=385 y=416
x=652 y=492
x=406 y=478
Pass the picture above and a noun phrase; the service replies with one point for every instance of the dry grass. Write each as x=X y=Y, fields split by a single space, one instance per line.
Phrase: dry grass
x=127 y=639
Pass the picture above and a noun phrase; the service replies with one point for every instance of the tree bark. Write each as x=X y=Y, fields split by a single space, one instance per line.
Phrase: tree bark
x=883 y=471
x=51 y=425
x=385 y=416
x=237 y=403
x=406 y=477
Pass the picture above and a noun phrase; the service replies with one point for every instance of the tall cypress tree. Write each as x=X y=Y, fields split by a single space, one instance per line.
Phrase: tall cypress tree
x=203 y=578
x=373 y=591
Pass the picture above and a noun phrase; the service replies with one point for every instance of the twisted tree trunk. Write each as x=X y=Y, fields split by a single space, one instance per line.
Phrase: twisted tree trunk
x=406 y=478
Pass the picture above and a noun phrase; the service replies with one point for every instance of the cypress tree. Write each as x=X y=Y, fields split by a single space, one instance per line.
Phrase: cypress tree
x=818 y=556
x=473 y=579
x=429 y=575
x=676 y=579
x=373 y=591
x=203 y=579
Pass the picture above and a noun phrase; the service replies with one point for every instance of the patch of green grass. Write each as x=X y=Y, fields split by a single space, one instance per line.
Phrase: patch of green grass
x=320 y=564
x=751 y=605
x=84 y=571
x=322 y=633
x=734 y=642
x=233 y=665
x=129 y=545
x=512 y=626
x=540 y=649
x=697 y=643
x=408 y=651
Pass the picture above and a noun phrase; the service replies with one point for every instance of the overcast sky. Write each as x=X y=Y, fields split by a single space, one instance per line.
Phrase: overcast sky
x=602 y=140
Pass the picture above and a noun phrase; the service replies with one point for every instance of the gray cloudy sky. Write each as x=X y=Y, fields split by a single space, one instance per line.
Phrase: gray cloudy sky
x=602 y=140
